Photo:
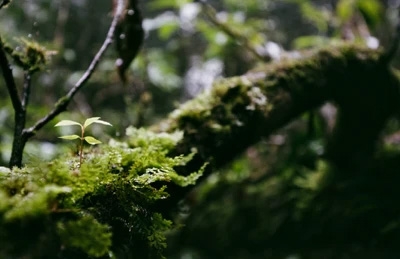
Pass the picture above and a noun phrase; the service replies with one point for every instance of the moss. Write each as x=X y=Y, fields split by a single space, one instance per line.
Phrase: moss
x=103 y=207
x=30 y=56
x=237 y=112
x=87 y=234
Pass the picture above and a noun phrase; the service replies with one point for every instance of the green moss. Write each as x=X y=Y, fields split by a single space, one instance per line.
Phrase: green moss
x=87 y=234
x=30 y=55
x=103 y=207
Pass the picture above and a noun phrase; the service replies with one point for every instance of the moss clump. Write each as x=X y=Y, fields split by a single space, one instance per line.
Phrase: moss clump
x=105 y=207
x=30 y=55
x=86 y=234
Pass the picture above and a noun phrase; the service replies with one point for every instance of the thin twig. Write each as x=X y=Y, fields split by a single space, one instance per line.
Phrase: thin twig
x=9 y=79
x=211 y=15
x=65 y=100
x=27 y=89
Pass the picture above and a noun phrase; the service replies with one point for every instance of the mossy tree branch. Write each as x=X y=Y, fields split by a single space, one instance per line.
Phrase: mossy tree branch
x=239 y=111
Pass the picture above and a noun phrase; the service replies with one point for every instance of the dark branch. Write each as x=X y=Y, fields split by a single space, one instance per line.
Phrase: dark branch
x=9 y=79
x=65 y=100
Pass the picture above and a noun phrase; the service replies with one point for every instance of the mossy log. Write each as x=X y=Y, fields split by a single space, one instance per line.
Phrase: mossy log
x=237 y=112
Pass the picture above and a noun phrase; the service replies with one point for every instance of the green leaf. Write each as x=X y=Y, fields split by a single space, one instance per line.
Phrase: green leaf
x=103 y=122
x=90 y=121
x=70 y=137
x=92 y=140
x=95 y=120
x=67 y=123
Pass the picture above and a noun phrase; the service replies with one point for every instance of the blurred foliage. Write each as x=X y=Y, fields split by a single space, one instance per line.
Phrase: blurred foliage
x=283 y=200
x=280 y=199
x=183 y=51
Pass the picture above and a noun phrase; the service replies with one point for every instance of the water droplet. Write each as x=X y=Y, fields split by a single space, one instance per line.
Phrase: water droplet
x=119 y=62
x=122 y=36
x=18 y=48
x=131 y=12
x=35 y=24
x=29 y=35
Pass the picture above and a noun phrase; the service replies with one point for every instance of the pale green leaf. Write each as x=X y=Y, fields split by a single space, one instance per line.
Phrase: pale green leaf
x=103 y=122
x=92 y=140
x=67 y=123
x=69 y=137
x=90 y=121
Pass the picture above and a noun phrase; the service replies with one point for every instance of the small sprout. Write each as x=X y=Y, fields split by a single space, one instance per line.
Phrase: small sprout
x=89 y=139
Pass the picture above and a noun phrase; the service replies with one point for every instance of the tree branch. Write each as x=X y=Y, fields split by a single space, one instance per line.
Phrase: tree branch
x=65 y=100
x=19 y=109
x=239 y=111
x=9 y=79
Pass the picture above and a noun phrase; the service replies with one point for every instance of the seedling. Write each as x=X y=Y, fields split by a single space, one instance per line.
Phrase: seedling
x=89 y=139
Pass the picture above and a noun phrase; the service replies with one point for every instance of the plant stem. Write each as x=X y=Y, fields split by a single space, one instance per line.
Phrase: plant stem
x=81 y=153
x=81 y=146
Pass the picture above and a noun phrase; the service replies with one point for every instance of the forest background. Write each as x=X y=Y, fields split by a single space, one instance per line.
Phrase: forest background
x=283 y=196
